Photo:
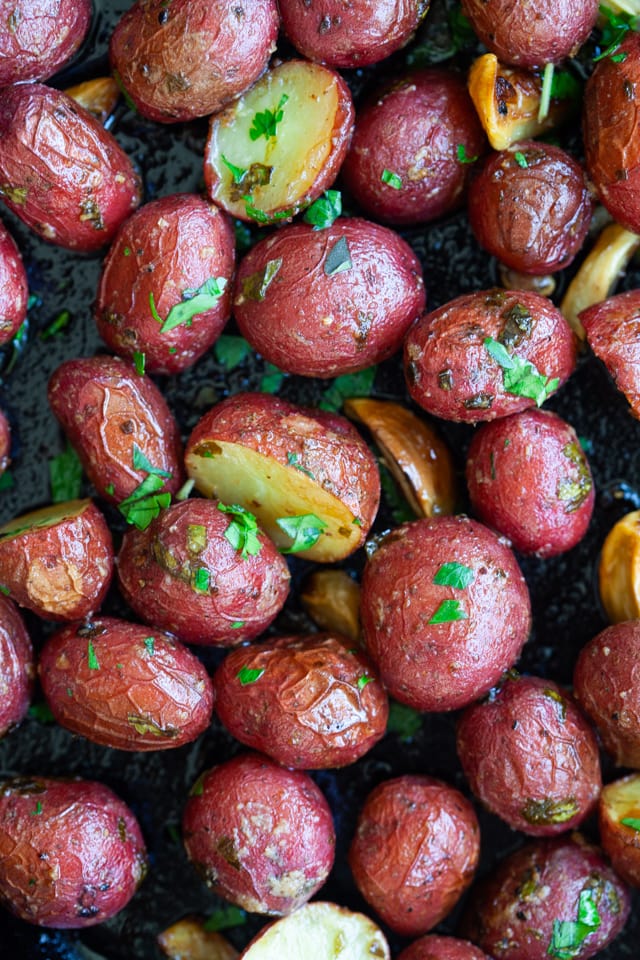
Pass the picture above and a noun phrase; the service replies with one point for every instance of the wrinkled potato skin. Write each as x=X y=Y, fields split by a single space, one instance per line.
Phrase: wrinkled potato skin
x=157 y=566
x=105 y=407
x=38 y=36
x=16 y=666
x=415 y=851
x=94 y=855
x=620 y=841
x=271 y=864
x=448 y=369
x=613 y=333
x=188 y=59
x=443 y=666
x=533 y=218
x=136 y=699
x=531 y=757
x=535 y=886
x=306 y=710
x=529 y=478
x=414 y=129
x=63 y=571
x=324 y=326
x=532 y=36
x=14 y=291
x=5 y=442
x=170 y=245
x=434 y=947
x=61 y=172
x=606 y=683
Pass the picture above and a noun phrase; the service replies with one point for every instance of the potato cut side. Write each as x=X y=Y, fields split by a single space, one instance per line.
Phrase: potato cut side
x=332 y=600
x=320 y=931
x=620 y=800
x=99 y=96
x=619 y=573
x=272 y=491
x=45 y=517
x=188 y=940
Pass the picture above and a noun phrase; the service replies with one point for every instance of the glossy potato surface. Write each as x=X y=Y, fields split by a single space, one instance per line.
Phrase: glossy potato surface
x=38 y=36
x=13 y=287
x=619 y=824
x=16 y=666
x=613 y=333
x=435 y=947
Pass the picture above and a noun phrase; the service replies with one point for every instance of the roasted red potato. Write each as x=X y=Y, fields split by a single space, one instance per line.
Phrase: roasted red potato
x=190 y=58
x=322 y=303
x=613 y=333
x=414 y=147
x=619 y=823
x=607 y=687
x=271 y=862
x=13 y=286
x=5 y=442
x=315 y=931
x=37 y=38
x=205 y=572
x=117 y=684
x=530 y=207
x=16 y=666
x=165 y=289
x=445 y=611
x=435 y=947
x=57 y=561
x=415 y=851
x=529 y=478
x=619 y=569
x=71 y=852
x=487 y=354
x=274 y=150
x=532 y=37
x=119 y=425
x=189 y=940
x=61 y=172
x=308 y=702
x=552 y=898
x=307 y=474
x=531 y=756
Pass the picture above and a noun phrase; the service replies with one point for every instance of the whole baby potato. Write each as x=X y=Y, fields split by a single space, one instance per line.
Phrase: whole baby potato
x=38 y=36
x=71 y=852
x=435 y=947
x=16 y=666
x=13 y=287
x=5 y=442
x=611 y=327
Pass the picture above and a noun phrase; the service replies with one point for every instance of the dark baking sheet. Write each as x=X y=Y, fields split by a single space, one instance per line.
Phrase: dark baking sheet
x=564 y=594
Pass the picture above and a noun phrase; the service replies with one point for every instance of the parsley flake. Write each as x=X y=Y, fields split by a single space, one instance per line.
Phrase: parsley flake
x=292 y=461
x=520 y=159
x=201 y=580
x=358 y=384
x=404 y=721
x=41 y=712
x=338 y=258
x=246 y=675
x=461 y=154
x=260 y=216
x=92 y=659
x=632 y=822
x=140 y=462
x=304 y=530
x=271 y=379
x=37 y=811
x=363 y=681
x=448 y=612
x=6 y=481
x=194 y=302
x=145 y=503
x=65 y=475
x=325 y=210
x=237 y=624
x=231 y=351
x=391 y=179
x=242 y=532
x=569 y=935
x=150 y=644
x=238 y=173
x=265 y=123
x=4 y=590
x=152 y=306
x=139 y=360
x=56 y=325
x=255 y=286
x=521 y=377
x=454 y=575
x=224 y=918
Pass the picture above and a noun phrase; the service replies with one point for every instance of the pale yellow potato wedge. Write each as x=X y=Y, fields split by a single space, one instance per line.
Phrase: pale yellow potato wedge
x=619 y=572
x=188 y=940
x=332 y=600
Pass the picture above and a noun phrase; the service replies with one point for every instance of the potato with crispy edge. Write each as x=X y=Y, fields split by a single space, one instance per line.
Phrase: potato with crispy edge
x=276 y=148
x=435 y=947
x=307 y=474
x=13 y=287
x=321 y=303
x=125 y=687
x=16 y=666
x=619 y=823
x=37 y=37
x=189 y=940
x=271 y=862
x=57 y=561
x=612 y=329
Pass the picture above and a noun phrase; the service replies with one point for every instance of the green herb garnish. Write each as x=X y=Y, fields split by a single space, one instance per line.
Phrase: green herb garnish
x=292 y=461
x=230 y=351
x=461 y=154
x=201 y=580
x=65 y=475
x=454 y=575
x=224 y=919
x=520 y=377
x=152 y=306
x=271 y=379
x=260 y=216
x=348 y=385
x=363 y=681
x=255 y=286
x=238 y=173
x=304 y=530
x=404 y=721
x=391 y=179
x=246 y=675
x=58 y=324
x=545 y=93
x=520 y=159
x=632 y=822
x=264 y=124
x=338 y=258
x=242 y=532
x=448 y=612
x=145 y=503
x=237 y=624
x=37 y=811
x=92 y=659
x=325 y=210
x=194 y=301
x=150 y=645
x=139 y=360
x=401 y=512
x=140 y=462
x=569 y=935
x=41 y=712
x=6 y=481
x=4 y=590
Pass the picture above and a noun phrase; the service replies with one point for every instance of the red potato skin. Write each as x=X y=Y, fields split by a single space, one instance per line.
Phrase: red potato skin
x=5 y=442
x=170 y=245
x=531 y=757
x=443 y=666
x=137 y=698
x=316 y=325
x=14 y=291
x=613 y=333
x=620 y=841
x=451 y=374
x=434 y=947
x=191 y=58
x=61 y=172
x=80 y=844
x=63 y=571
x=533 y=215
x=17 y=670
x=528 y=478
x=105 y=407
x=606 y=684
x=415 y=851
x=414 y=129
x=270 y=861
x=511 y=916
x=38 y=36
x=157 y=567
x=309 y=708
x=520 y=35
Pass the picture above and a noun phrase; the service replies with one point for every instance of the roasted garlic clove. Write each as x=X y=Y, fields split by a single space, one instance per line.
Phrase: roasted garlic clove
x=98 y=96
x=510 y=279
x=619 y=572
x=332 y=600
x=188 y=940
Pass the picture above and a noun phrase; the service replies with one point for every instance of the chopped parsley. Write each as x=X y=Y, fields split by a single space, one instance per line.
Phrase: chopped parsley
x=56 y=325
x=152 y=306
x=238 y=173
x=260 y=216
x=292 y=461
x=237 y=624
x=65 y=475
x=348 y=385
x=271 y=379
x=569 y=935
x=246 y=675
x=41 y=712
x=520 y=377
x=242 y=532
x=231 y=351
x=265 y=123
x=305 y=531
x=139 y=360
x=545 y=93
x=614 y=31
x=201 y=580
x=391 y=179
x=338 y=259
x=150 y=645
x=145 y=503
x=363 y=681
x=224 y=918
x=454 y=575
x=110 y=489
x=325 y=210
x=461 y=154
x=194 y=301
x=404 y=721
x=140 y=462
x=6 y=481
x=255 y=286
x=37 y=811
x=632 y=822
x=448 y=612
x=92 y=659
x=520 y=159
x=4 y=590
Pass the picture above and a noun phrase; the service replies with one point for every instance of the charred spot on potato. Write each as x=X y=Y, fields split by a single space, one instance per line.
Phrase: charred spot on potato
x=550 y=811
x=256 y=175
x=480 y=401
x=228 y=851
x=17 y=195
x=90 y=631
x=445 y=379
x=90 y=212
x=122 y=829
x=518 y=325
x=574 y=491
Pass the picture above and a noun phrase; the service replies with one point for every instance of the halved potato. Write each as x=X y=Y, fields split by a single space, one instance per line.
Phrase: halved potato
x=619 y=572
x=189 y=940
x=619 y=821
x=99 y=96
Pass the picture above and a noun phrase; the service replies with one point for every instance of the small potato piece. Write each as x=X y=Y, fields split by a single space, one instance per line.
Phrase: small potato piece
x=613 y=333
x=455 y=367
x=530 y=756
x=188 y=940
x=114 y=683
x=607 y=687
x=13 y=287
x=415 y=851
x=99 y=96
x=619 y=570
x=16 y=666
x=71 y=852
x=278 y=147
x=308 y=702
x=434 y=947
x=172 y=260
x=619 y=822
x=37 y=37
x=5 y=442
x=271 y=862
x=315 y=931
x=61 y=172
x=550 y=898
x=109 y=411
x=57 y=561
x=307 y=474
x=332 y=599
